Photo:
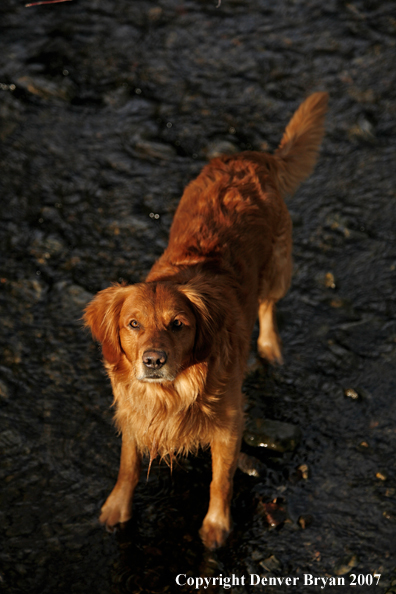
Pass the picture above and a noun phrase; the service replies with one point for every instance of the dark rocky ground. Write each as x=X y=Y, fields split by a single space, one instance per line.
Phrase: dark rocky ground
x=107 y=110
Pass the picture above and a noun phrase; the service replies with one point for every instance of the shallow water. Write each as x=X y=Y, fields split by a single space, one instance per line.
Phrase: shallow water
x=107 y=110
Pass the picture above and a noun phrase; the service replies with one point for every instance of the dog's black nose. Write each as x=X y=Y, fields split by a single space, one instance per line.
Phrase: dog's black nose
x=154 y=359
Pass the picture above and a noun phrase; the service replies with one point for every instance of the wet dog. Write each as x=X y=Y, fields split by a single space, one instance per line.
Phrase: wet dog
x=175 y=347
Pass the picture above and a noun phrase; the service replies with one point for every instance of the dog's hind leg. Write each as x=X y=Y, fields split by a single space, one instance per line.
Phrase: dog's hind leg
x=275 y=283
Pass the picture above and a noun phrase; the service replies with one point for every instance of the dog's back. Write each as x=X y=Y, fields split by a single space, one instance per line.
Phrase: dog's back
x=233 y=213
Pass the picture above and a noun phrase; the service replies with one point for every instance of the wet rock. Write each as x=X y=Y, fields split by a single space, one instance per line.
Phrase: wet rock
x=363 y=130
x=130 y=224
x=4 y=391
x=220 y=147
x=298 y=474
x=43 y=248
x=48 y=89
x=346 y=564
x=250 y=465
x=273 y=511
x=117 y=98
x=344 y=225
x=257 y=555
x=10 y=439
x=73 y=299
x=351 y=393
x=326 y=280
x=304 y=521
x=29 y=290
x=338 y=356
x=271 y=564
x=389 y=514
x=119 y=162
x=364 y=447
x=155 y=13
x=154 y=150
x=339 y=303
x=329 y=280
x=274 y=435
x=303 y=468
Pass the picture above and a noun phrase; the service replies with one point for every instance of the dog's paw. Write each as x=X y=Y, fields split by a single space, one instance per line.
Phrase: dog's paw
x=214 y=534
x=270 y=350
x=115 y=511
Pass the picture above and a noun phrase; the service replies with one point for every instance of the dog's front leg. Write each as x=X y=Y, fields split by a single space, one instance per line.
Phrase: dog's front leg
x=118 y=506
x=225 y=450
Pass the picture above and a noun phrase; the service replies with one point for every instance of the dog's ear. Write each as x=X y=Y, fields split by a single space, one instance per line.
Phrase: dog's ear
x=102 y=315
x=209 y=315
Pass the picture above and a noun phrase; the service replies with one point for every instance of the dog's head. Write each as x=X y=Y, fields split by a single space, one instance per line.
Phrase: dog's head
x=160 y=328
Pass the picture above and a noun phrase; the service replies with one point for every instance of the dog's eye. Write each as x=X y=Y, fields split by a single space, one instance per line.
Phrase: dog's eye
x=134 y=324
x=177 y=324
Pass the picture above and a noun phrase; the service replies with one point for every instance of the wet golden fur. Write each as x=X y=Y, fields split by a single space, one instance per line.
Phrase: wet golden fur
x=228 y=258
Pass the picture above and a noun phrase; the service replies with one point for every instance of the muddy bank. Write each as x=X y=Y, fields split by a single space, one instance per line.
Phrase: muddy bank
x=107 y=110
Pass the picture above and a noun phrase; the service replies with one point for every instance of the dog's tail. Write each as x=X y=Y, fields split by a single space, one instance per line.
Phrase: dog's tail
x=298 y=149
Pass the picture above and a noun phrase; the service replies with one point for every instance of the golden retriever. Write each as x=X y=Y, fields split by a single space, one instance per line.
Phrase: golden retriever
x=175 y=347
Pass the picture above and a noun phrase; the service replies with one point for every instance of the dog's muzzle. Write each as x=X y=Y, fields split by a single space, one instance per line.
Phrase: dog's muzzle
x=154 y=359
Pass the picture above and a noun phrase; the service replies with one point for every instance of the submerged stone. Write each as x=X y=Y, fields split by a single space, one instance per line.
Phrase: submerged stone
x=274 y=435
x=305 y=520
x=220 y=147
x=271 y=564
x=250 y=465
x=345 y=565
x=274 y=512
x=351 y=393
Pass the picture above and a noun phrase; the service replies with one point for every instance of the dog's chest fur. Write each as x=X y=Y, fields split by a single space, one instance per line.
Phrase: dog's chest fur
x=169 y=419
